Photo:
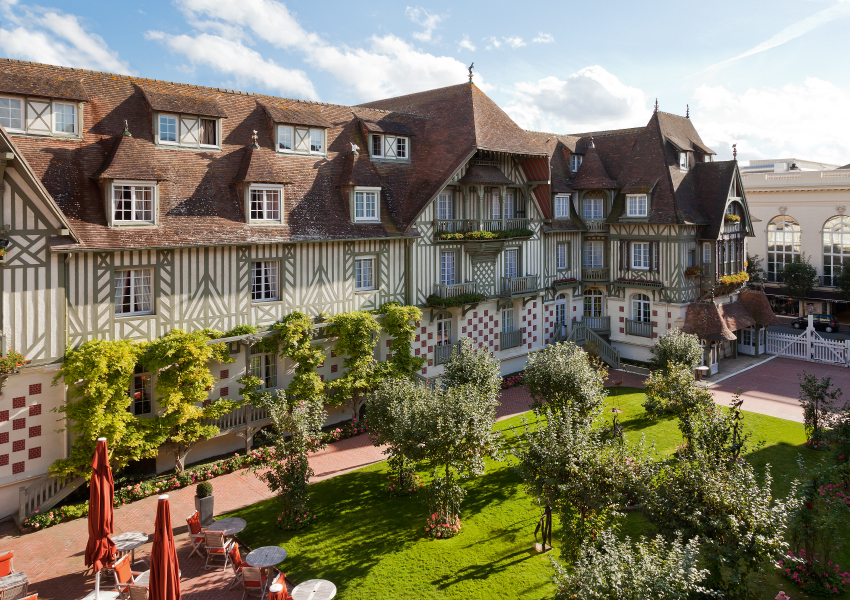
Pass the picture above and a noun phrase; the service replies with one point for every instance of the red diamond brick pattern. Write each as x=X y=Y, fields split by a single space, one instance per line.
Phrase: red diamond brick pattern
x=19 y=424
x=35 y=431
x=18 y=468
x=35 y=388
x=4 y=437
x=224 y=392
x=19 y=445
x=35 y=453
x=35 y=410
x=19 y=402
x=4 y=415
x=225 y=373
x=4 y=460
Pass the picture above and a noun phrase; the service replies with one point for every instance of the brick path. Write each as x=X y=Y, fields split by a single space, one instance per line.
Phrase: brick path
x=53 y=558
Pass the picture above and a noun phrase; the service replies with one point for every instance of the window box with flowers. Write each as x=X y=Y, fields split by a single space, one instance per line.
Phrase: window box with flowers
x=734 y=279
x=693 y=271
x=459 y=300
x=730 y=218
x=9 y=365
x=565 y=282
x=481 y=235
x=3 y=252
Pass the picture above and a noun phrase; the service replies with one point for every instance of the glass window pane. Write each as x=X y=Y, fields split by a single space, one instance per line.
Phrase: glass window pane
x=64 y=117
x=167 y=128
x=11 y=113
x=284 y=137
x=316 y=141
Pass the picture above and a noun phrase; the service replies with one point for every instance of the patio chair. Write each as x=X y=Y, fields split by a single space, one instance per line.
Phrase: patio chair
x=7 y=563
x=138 y=592
x=16 y=591
x=253 y=582
x=217 y=546
x=195 y=533
x=124 y=575
x=236 y=563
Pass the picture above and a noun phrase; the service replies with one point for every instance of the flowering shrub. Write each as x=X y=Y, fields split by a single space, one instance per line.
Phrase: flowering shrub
x=459 y=300
x=814 y=577
x=435 y=529
x=816 y=445
x=693 y=271
x=12 y=362
x=55 y=516
x=291 y=522
x=342 y=432
x=737 y=278
x=514 y=380
x=410 y=484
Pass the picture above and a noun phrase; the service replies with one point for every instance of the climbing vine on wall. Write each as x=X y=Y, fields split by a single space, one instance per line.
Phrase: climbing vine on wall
x=357 y=334
x=400 y=324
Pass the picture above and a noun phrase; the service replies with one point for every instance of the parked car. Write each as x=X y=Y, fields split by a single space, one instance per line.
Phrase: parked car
x=826 y=323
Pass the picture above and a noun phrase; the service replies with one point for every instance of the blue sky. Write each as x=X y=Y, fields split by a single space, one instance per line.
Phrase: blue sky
x=767 y=75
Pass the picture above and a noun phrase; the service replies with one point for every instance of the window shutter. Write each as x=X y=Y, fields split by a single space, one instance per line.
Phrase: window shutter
x=38 y=116
x=626 y=263
x=655 y=248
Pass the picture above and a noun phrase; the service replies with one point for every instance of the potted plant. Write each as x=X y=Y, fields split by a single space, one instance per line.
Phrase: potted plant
x=10 y=364
x=204 y=501
x=693 y=271
x=730 y=218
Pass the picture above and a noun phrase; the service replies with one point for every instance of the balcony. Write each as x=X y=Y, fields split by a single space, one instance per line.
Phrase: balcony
x=443 y=353
x=240 y=419
x=599 y=324
x=455 y=225
x=639 y=328
x=512 y=339
x=520 y=286
x=453 y=290
x=595 y=274
x=498 y=228
x=596 y=225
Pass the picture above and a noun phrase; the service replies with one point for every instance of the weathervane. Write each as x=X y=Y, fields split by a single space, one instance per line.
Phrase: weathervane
x=687 y=111
x=127 y=129
x=355 y=149
x=256 y=144
x=592 y=145
x=470 y=72
x=734 y=151
x=656 y=105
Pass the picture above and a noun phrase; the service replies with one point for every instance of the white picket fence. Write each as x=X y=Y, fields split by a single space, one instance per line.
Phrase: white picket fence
x=809 y=346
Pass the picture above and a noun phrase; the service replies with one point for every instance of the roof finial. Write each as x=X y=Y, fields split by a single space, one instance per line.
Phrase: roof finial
x=592 y=145
x=355 y=149
x=656 y=105
x=127 y=129
x=734 y=151
x=687 y=111
x=256 y=144
x=470 y=72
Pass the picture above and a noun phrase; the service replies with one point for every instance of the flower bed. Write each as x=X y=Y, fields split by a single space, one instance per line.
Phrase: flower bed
x=818 y=579
x=513 y=380
x=459 y=300
x=342 y=432
x=442 y=530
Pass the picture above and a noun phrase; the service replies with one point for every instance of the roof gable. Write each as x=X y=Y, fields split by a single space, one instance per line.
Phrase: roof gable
x=592 y=173
x=186 y=101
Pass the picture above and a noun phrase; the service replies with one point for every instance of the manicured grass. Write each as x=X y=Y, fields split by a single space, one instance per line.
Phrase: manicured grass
x=373 y=545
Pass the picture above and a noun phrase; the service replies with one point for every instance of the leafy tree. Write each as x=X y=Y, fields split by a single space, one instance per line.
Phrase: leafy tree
x=842 y=280
x=357 y=334
x=818 y=401
x=677 y=347
x=473 y=364
x=648 y=568
x=99 y=375
x=181 y=362
x=400 y=324
x=676 y=393
x=562 y=376
x=754 y=268
x=740 y=525
x=579 y=472
x=799 y=277
x=294 y=340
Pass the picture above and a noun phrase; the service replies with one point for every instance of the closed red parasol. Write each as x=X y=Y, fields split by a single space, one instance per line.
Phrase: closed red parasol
x=100 y=550
x=165 y=572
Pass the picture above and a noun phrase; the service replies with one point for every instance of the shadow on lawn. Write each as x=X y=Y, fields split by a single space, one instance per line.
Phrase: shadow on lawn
x=483 y=571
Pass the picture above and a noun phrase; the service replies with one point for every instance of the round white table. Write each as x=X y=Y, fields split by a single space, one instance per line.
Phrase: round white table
x=128 y=542
x=229 y=526
x=267 y=556
x=314 y=589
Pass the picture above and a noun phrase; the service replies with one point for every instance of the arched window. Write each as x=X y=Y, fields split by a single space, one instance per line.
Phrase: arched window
x=640 y=308
x=593 y=303
x=836 y=247
x=561 y=309
x=783 y=244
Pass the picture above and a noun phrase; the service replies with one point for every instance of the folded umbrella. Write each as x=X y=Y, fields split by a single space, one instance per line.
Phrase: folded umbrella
x=100 y=549
x=165 y=571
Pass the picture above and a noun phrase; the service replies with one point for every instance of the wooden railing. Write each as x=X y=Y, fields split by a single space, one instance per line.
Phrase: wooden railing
x=560 y=333
x=597 y=323
x=641 y=328
x=519 y=285
x=442 y=354
x=455 y=289
x=581 y=335
x=45 y=493
x=595 y=274
x=511 y=339
x=516 y=224
x=244 y=416
x=455 y=225
x=596 y=225
x=461 y=225
x=491 y=225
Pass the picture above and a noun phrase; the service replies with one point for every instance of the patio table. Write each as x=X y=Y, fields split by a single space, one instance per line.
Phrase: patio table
x=127 y=542
x=314 y=589
x=229 y=526
x=265 y=557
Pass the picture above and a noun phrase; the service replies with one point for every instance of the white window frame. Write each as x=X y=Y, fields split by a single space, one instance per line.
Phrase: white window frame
x=53 y=117
x=176 y=140
x=380 y=141
x=136 y=281
x=445 y=207
x=575 y=162
x=22 y=108
x=443 y=336
x=180 y=131
x=597 y=248
x=683 y=161
x=562 y=206
x=291 y=131
x=495 y=206
x=321 y=134
x=591 y=201
x=562 y=253
x=448 y=276
x=249 y=192
x=133 y=185
x=593 y=303
x=376 y=218
x=217 y=123
x=372 y=284
x=706 y=253
x=402 y=143
x=515 y=263
x=263 y=365
x=266 y=288
x=47 y=116
x=641 y=308
x=510 y=203
x=641 y=256
x=561 y=309
x=508 y=320
x=634 y=205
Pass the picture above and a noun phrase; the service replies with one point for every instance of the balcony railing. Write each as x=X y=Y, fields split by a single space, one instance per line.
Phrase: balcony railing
x=730 y=227
x=442 y=354
x=513 y=286
x=243 y=416
x=491 y=225
x=560 y=333
x=595 y=274
x=641 y=328
x=464 y=225
x=456 y=225
x=596 y=225
x=516 y=224
x=597 y=323
x=455 y=289
x=512 y=339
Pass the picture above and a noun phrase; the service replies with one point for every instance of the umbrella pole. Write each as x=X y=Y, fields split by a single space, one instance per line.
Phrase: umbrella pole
x=97 y=585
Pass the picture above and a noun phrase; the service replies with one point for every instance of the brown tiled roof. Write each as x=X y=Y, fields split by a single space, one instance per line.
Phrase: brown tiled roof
x=63 y=86
x=386 y=124
x=758 y=306
x=485 y=174
x=359 y=170
x=592 y=174
x=736 y=316
x=294 y=112
x=130 y=158
x=187 y=101
x=261 y=165
x=712 y=181
x=705 y=320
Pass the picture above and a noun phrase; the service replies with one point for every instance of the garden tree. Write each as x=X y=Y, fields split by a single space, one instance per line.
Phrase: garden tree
x=357 y=334
x=580 y=473
x=754 y=268
x=399 y=323
x=473 y=363
x=718 y=432
x=649 y=568
x=799 y=277
x=818 y=401
x=294 y=340
x=740 y=525
x=297 y=424
x=99 y=375
x=562 y=376
x=842 y=280
x=183 y=380
x=676 y=393
x=677 y=347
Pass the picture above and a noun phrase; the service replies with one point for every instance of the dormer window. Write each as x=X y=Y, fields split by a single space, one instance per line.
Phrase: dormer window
x=292 y=139
x=133 y=203
x=264 y=204
x=39 y=116
x=575 y=162
x=636 y=205
x=367 y=205
x=683 y=161
x=390 y=147
x=188 y=131
x=562 y=206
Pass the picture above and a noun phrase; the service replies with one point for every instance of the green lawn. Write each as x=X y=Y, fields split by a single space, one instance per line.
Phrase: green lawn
x=373 y=546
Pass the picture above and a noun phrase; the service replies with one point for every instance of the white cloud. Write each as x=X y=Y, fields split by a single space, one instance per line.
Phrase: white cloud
x=428 y=21
x=802 y=121
x=799 y=28
x=238 y=61
x=591 y=99
x=385 y=66
x=514 y=41
x=465 y=44
x=544 y=38
x=57 y=38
